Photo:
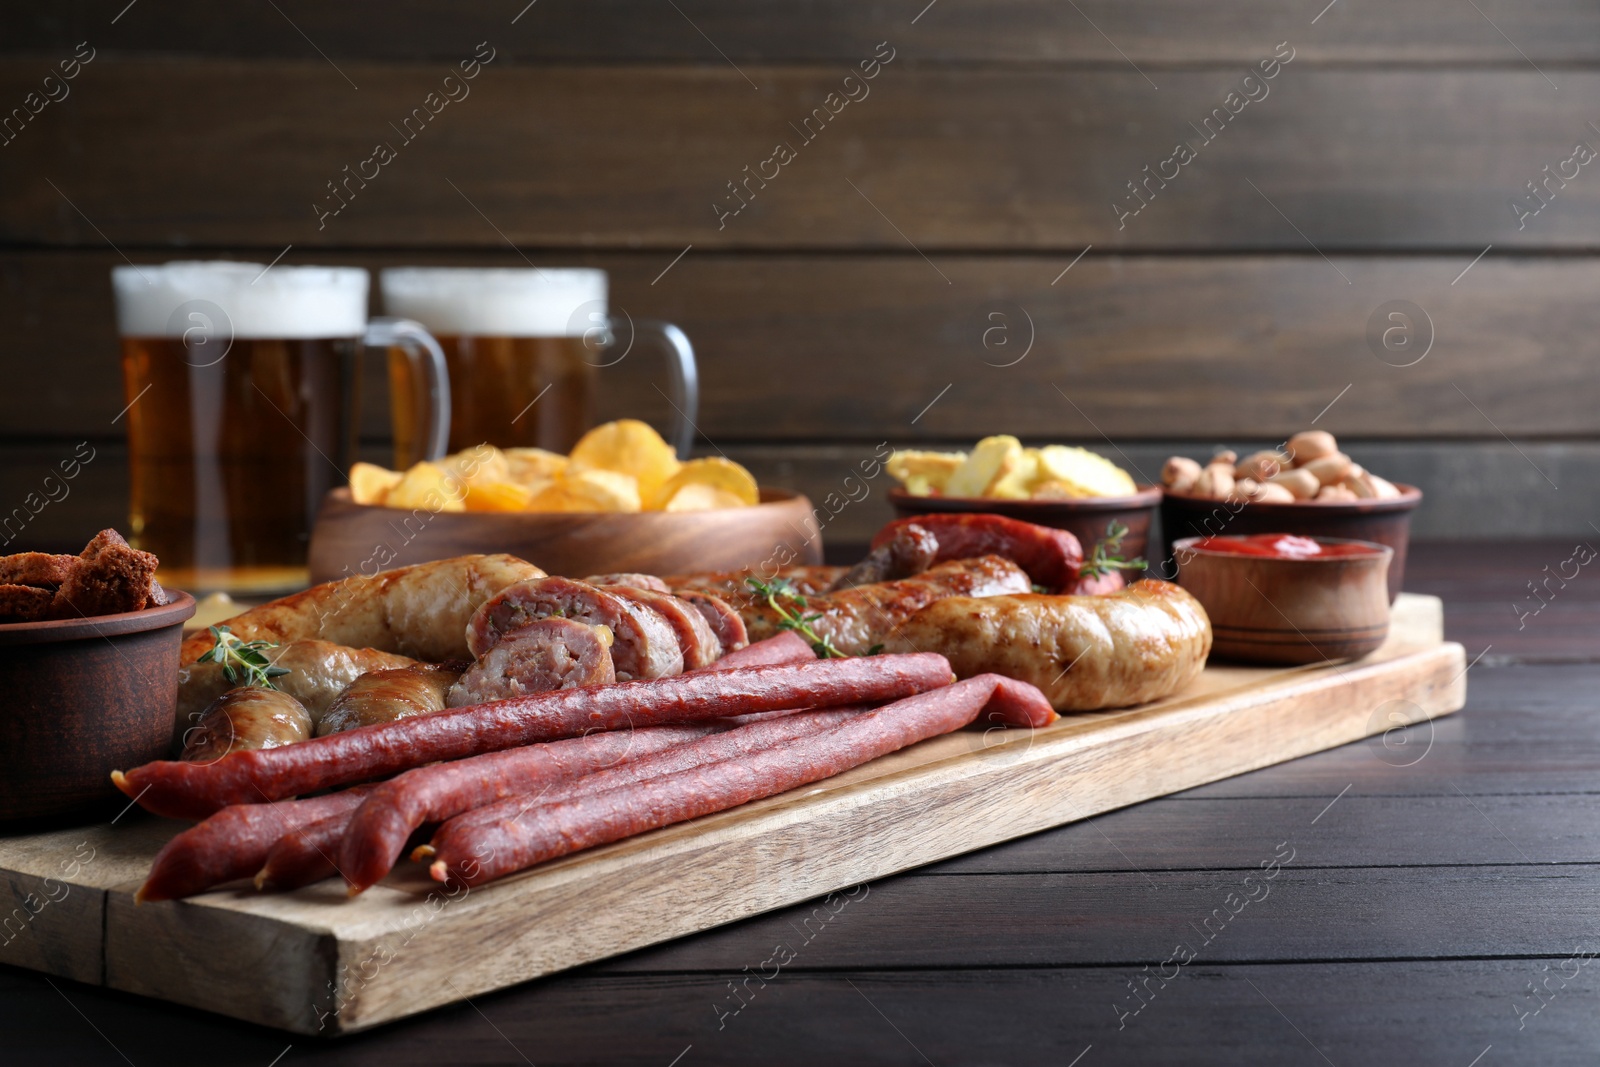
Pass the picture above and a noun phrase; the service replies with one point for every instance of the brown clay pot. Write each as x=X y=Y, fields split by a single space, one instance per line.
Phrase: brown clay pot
x=84 y=697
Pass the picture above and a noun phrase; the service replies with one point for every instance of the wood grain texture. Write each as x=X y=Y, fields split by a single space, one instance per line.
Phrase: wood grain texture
x=1485 y=494
x=554 y=158
x=1008 y=31
x=1366 y=1013
x=349 y=538
x=53 y=890
x=678 y=880
x=1214 y=348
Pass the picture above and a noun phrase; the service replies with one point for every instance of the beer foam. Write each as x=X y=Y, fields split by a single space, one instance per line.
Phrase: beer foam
x=518 y=302
x=284 y=302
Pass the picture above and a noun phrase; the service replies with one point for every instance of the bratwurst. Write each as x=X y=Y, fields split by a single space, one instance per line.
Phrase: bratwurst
x=1086 y=653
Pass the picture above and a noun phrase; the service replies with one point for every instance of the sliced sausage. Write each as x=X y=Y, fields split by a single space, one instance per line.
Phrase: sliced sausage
x=695 y=639
x=541 y=656
x=249 y=717
x=644 y=645
x=637 y=581
x=720 y=616
x=385 y=696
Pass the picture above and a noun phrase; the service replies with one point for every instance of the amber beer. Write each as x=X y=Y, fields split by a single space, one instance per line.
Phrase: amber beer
x=242 y=388
x=522 y=346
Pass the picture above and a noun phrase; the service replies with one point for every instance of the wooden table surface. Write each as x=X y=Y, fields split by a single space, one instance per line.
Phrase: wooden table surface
x=1426 y=900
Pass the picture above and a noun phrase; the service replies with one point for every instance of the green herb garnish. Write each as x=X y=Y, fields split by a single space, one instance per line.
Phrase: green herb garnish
x=1106 y=555
x=243 y=662
x=783 y=589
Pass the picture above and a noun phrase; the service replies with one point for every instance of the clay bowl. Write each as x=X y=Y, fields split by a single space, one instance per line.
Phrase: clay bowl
x=1269 y=610
x=352 y=538
x=85 y=697
x=1388 y=522
x=1086 y=519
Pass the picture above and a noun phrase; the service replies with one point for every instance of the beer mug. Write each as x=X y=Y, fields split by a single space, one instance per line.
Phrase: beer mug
x=523 y=347
x=242 y=391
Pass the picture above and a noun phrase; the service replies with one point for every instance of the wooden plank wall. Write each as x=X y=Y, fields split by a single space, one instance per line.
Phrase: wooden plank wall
x=886 y=283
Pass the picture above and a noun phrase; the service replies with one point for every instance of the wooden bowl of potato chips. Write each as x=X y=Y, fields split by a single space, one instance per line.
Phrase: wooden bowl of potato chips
x=1059 y=486
x=620 y=501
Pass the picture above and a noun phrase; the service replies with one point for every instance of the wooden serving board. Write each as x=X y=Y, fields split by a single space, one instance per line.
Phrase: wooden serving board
x=315 y=962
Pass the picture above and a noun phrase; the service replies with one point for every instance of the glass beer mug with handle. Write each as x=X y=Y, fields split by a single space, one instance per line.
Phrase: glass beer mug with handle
x=242 y=386
x=523 y=347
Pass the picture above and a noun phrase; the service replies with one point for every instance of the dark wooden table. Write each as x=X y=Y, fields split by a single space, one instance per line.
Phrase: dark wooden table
x=1435 y=901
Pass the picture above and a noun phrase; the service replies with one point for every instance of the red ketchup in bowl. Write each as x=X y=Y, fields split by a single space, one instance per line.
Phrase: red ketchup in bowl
x=1285 y=546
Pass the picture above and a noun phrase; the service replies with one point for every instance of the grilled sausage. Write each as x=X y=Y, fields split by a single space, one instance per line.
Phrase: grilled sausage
x=248 y=717
x=419 y=611
x=511 y=842
x=733 y=587
x=1085 y=652
x=318 y=672
x=544 y=655
x=385 y=696
x=192 y=790
x=858 y=619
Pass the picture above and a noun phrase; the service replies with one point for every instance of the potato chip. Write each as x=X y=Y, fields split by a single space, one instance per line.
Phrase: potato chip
x=428 y=486
x=498 y=496
x=931 y=470
x=1054 y=490
x=1087 y=472
x=630 y=447
x=700 y=496
x=478 y=464
x=589 y=490
x=534 y=467
x=369 y=483
x=1017 y=483
x=990 y=461
x=716 y=472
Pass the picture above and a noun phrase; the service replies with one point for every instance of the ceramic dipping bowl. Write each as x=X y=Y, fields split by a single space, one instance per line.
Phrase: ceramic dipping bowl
x=1327 y=601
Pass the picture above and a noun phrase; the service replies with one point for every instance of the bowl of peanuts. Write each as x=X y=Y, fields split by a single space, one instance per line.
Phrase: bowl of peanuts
x=1306 y=486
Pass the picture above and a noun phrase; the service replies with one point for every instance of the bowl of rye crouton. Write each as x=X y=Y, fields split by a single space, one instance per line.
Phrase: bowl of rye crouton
x=89 y=668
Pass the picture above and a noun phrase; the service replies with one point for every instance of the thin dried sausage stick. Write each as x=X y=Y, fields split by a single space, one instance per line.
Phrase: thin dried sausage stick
x=303 y=855
x=737 y=743
x=786 y=647
x=377 y=831
x=546 y=832
x=192 y=790
x=232 y=844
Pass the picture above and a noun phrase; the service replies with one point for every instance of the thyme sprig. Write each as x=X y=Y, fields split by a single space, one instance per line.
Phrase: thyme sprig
x=780 y=589
x=1106 y=556
x=243 y=662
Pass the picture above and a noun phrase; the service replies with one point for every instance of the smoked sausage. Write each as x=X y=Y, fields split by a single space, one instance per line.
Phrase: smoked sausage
x=192 y=790
x=471 y=851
